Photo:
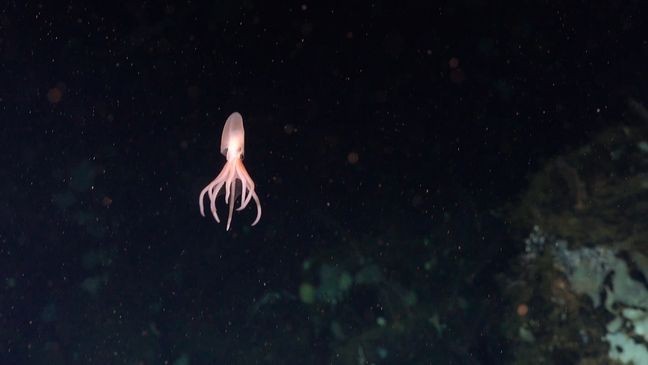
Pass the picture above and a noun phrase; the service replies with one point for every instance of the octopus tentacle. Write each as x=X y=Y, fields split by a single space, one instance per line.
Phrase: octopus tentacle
x=252 y=194
x=231 y=209
x=213 y=194
x=244 y=186
x=209 y=189
x=230 y=166
x=258 y=204
x=249 y=182
x=202 y=197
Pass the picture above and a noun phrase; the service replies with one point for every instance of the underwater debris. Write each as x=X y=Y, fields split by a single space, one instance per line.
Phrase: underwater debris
x=534 y=245
x=574 y=183
x=603 y=274
x=584 y=267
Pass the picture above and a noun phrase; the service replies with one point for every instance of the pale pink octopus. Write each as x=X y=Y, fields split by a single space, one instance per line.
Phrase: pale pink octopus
x=233 y=176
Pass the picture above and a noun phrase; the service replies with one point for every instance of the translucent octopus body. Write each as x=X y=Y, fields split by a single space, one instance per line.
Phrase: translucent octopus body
x=234 y=177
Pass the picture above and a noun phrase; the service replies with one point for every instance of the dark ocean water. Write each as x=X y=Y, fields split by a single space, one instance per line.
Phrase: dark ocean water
x=376 y=132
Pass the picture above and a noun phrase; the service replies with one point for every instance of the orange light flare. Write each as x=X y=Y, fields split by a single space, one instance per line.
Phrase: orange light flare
x=457 y=75
x=106 y=201
x=54 y=95
x=353 y=158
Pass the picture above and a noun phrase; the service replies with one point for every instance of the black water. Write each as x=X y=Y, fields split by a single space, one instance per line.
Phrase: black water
x=367 y=123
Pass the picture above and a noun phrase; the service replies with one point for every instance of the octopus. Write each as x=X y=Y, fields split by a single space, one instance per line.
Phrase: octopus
x=233 y=180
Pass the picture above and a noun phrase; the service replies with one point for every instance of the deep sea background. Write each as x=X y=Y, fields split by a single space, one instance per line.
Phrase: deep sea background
x=366 y=121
